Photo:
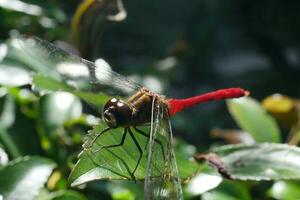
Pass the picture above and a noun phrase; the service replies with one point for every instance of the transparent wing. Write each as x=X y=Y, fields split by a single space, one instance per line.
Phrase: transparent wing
x=56 y=63
x=162 y=181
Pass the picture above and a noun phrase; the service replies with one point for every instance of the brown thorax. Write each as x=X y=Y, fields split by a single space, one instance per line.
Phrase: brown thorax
x=135 y=111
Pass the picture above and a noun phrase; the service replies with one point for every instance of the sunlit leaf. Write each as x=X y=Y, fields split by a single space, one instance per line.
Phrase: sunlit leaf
x=125 y=190
x=47 y=83
x=18 y=55
x=57 y=108
x=7 y=113
x=228 y=190
x=285 y=190
x=206 y=180
x=23 y=96
x=254 y=119
x=13 y=75
x=20 y=6
x=22 y=179
x=261 y=161
x=3 y=157
x=118 y=163
x=69 y=71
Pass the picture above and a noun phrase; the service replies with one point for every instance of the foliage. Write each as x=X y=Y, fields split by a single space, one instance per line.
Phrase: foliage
x=181 y=51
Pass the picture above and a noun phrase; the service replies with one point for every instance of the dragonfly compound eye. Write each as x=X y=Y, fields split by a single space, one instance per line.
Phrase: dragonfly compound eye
x=117 y=113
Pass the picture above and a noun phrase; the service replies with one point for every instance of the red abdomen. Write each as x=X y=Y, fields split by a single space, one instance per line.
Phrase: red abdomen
x=176 y=105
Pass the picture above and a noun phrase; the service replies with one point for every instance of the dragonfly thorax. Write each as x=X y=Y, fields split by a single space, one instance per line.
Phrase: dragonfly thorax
x=135 y=111
x=117 y=113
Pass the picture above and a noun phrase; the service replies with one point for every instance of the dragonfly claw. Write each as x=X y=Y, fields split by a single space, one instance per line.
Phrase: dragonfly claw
x=86 y=146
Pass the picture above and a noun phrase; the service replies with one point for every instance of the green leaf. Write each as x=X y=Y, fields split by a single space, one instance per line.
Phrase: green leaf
x=17 y=53
x=7 y=119
x=127 y=190
x=285 y=190
x=47 y=83
x=254 y=119
x=8 y=142
x=13 y=75
x=22 y=129
x=25 y=8
x=228 y=190
x=206 y=180
x=7 y=113
x=22 y=178
x=57 y=108
x=118 y=163
x=62 y=71
x=3 y=157
x=261 y=161
x=63 y=195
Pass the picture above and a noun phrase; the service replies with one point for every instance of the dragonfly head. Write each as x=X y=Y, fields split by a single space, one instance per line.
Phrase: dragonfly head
x=117 y=113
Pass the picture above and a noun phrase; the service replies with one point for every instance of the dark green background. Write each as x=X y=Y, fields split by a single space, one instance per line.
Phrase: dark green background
x=217 y=44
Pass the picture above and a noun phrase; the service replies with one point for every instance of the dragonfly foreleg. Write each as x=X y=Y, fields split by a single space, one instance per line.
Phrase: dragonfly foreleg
x=155 y=139
x=95 y=137
x=139 y=148
x=114 y=145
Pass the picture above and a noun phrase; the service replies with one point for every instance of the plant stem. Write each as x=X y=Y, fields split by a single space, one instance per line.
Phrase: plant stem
x=9 y=143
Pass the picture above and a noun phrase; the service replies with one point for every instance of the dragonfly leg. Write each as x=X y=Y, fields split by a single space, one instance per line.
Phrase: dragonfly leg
x=96 y=136
x=114 y=145
x=155 y=139
x=139 y=148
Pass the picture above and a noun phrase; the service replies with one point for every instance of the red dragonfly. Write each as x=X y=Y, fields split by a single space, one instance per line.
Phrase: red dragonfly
x=134 y=107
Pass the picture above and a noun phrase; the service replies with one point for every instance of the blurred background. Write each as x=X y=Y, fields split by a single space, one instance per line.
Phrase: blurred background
x=184 y=48
x=175 y=48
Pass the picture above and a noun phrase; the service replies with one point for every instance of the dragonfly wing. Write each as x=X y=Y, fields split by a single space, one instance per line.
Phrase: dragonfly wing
x=56 y=63
x=162 y=179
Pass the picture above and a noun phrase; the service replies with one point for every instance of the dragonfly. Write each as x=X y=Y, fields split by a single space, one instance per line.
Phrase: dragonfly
x=130 y=107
